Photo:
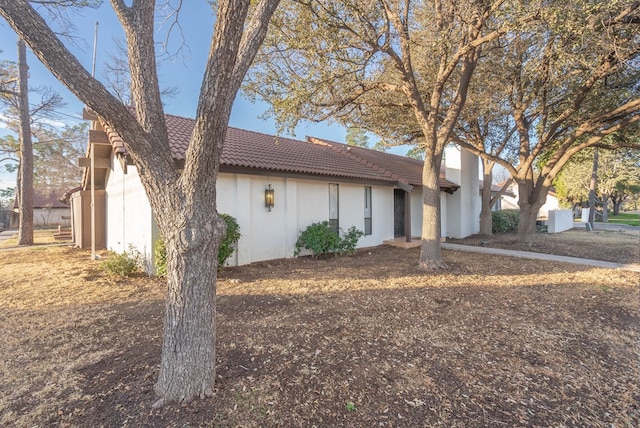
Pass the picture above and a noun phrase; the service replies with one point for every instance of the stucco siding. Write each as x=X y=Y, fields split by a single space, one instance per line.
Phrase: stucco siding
x=52 y=216
x=298 y=203
x=266 y=234
x=416 y=211
x=444 y=204
x=129 y=219
x=463 y=207
x=381 y=216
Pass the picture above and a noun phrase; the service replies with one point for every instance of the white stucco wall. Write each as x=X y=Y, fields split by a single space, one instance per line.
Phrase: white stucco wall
x=444 y=209
x=265 y=234
x=298 y=203
x=463 y=207
x=52 y=216
x=381 y=217
x=560 y=220
x=415 y=197
x=550 y=204
x=128 y=217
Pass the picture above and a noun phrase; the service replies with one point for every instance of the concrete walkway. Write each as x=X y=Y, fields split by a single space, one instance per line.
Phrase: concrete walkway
x=606 y=226
x=540 y=256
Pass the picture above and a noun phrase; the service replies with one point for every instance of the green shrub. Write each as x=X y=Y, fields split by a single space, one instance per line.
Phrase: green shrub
x=228 y=244
x=505 y=220
x=123 y=264
x=350 y=240
x=321 y=240
x=160 y=258
x=227 y=247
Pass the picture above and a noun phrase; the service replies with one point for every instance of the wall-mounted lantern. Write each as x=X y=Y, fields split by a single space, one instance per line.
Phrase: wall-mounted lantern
x=269 y=197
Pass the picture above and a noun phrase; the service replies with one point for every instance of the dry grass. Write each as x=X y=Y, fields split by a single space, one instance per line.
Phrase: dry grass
x=56 y=306
x=356 y=341
x=40 y=237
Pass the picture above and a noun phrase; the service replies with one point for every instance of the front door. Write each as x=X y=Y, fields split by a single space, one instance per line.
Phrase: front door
x=398 y=212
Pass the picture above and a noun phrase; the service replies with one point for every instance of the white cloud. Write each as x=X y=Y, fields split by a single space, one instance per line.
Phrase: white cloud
x=53 y=122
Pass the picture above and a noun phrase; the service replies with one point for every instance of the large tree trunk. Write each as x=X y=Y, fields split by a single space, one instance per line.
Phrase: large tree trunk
x=25 y=201
x=183 y=203
x=486 y=222
x=430 y=249
x=530 y=200
x=187 y=367
x=192 y=231
x=527 y=222
x=617 y=202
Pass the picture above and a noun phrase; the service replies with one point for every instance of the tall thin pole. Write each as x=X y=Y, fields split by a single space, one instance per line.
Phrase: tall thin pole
x=592 y=189
x=92 y=149
x=95 y=49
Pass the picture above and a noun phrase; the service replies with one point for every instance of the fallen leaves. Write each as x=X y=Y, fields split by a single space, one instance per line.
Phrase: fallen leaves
x=490 y=342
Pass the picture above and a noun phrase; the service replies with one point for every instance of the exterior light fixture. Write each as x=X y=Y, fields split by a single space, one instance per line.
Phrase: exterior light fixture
x=269 y=197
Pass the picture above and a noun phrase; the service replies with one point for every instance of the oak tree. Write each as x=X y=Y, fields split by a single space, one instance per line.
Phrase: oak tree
x=400 y=69
x=183 y=202
x=618 y=178
x=569 y=81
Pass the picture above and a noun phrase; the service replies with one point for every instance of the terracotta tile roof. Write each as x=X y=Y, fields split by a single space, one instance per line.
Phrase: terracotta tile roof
x=268 y=153
x=408 y=169
x=496 y=188
x=257 y=151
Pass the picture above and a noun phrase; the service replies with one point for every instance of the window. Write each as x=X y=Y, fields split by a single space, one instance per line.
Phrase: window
x=334 y=222
x=367 y=210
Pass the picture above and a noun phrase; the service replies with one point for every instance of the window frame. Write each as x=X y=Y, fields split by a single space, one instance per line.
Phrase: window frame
x=368 y=209
x=334 y=207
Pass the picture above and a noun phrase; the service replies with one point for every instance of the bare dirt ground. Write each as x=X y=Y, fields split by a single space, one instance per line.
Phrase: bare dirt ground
x=358 y=341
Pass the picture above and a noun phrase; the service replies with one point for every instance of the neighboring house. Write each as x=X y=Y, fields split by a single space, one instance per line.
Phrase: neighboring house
x=495 y=189
x=312 y=180
x=48 y=210
x=509 y=201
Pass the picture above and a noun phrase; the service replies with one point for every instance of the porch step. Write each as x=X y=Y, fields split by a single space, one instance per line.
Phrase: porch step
x=63 y=234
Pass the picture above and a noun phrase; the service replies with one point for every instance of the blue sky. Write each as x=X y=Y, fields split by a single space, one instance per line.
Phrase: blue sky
x=185 y=72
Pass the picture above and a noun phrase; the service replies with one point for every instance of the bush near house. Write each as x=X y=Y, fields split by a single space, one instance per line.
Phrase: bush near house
x=504 y=221
x=228 y=244
x=123 y=264
x=321 y=240
x=160 y=258
x=227 y=247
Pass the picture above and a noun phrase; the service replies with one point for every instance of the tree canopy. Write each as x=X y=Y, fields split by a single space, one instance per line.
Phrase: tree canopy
x=398 y=69
x=618 y=178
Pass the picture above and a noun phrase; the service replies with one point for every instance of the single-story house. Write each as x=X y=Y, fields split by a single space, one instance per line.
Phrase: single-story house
x=495 y=189
x=48 y=210
x=275 y=187
x=510 y=201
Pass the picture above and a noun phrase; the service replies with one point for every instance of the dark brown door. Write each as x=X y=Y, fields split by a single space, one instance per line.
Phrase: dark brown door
x=398 y=212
